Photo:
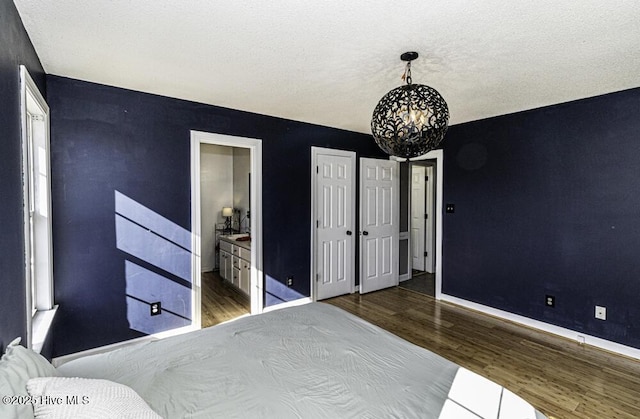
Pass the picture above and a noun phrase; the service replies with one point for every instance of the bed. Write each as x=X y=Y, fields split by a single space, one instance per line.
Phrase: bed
x=310 y=361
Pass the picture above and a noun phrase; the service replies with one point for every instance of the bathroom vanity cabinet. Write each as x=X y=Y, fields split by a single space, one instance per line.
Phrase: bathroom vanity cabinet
x=235 y=261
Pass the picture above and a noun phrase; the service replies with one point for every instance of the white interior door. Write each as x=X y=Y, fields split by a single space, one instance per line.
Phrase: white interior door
x=334 y=189
x=379 y=224
x=418 y=214
x=429 y=246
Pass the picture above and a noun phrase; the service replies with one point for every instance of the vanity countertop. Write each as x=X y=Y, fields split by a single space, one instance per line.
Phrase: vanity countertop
x=233 y=240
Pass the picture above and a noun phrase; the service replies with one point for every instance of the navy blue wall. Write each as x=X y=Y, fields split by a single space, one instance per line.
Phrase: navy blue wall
x=106 y=139
x=546 y=202
x=15 y=49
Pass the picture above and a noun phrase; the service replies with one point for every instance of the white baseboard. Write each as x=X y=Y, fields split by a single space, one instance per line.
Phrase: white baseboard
x=107 y=348
x=579 y=337
x=293 y=303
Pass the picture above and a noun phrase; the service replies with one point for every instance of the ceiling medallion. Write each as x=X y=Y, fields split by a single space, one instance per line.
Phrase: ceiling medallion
x=410 y=120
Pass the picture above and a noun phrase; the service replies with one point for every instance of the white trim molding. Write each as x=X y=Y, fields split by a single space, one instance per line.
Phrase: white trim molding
x=41 y=324
x=38 y=261
x=257 y=286
x=573 y=335
x=406 y=236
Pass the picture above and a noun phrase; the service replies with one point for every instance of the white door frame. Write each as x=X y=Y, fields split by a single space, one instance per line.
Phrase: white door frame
x=315 y=151
x=438 y=156
x=257 y=284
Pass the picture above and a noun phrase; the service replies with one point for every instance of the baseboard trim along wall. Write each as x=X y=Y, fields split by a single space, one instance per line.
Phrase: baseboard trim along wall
x=576 y=336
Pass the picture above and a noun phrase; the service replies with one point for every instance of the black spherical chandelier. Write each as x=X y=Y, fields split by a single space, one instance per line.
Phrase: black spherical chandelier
x=410 y=120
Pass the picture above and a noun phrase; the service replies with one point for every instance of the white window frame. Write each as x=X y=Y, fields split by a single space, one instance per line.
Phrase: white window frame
x=37 y=211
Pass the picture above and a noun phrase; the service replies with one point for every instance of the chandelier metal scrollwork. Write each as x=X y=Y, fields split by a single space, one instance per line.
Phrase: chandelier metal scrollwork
x=410 y=120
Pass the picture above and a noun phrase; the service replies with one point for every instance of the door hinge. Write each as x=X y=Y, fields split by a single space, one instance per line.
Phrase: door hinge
x=317 y=223
x=317 y=277
x=426 y=216
x=426 y=178
x=426 y=254
x=317 y=169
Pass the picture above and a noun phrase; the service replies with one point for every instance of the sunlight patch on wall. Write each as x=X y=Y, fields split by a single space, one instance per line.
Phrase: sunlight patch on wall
x=277 y=293
x=166 y=247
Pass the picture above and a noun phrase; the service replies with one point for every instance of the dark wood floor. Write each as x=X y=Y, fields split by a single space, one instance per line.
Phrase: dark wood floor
x=421 y=281
x=559 y=377
x=220 y=301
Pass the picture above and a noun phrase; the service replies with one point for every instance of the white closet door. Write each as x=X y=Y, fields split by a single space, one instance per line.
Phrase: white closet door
x=379 y=224
x=335 y=182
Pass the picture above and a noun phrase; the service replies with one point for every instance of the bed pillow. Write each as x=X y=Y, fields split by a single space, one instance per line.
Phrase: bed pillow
x=80 y=398
x=17 y=366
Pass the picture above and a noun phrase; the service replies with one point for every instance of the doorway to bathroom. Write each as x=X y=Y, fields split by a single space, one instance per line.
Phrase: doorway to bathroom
x=226 y=225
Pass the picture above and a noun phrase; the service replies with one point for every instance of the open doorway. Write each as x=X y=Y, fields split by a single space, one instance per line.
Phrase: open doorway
x=421 y=224
x=226 y=225
x=421 y=217
x=225 y=217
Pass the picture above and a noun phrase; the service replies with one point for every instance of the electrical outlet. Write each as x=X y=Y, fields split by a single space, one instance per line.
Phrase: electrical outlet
x=156 y=308
x=601 y=313
x=289 y=281
x=550 y=301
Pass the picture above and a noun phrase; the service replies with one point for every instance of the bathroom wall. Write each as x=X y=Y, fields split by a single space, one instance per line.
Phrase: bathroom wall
x=216 y=183
x=224 y=182
x=241 y=170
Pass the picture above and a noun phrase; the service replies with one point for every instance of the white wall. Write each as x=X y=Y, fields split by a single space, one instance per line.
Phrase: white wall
x=241 y=170
x=216 y=183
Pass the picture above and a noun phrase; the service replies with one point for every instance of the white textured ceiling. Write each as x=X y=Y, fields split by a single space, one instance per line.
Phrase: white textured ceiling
x=329 y=62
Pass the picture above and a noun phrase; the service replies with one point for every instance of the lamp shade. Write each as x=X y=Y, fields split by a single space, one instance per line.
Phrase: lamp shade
x=227 y=212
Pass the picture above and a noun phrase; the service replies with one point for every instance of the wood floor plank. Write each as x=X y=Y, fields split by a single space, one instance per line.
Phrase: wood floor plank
x=221 y=302
x=560 y=377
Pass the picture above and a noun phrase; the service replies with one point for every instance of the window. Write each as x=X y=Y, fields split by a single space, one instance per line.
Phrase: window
x=37 y=211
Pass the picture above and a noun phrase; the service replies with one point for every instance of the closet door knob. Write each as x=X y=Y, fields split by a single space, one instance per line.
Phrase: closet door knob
x=349 y=232
x=365 y=233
